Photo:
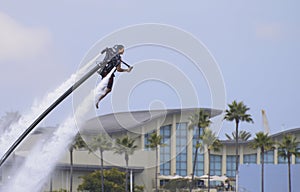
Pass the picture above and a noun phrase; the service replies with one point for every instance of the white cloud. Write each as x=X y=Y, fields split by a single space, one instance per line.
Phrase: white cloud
x=20 y=42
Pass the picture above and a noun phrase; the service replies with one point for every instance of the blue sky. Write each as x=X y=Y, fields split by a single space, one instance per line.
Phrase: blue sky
x=254 y=43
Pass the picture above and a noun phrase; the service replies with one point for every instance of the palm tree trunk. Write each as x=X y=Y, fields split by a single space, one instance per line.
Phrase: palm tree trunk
x=126 y=180
x=102 y=173
x=71 y=170
x=208 y=150
x=195 y=160
x=194 y=168
x=289 y=172
x=156 y=168
x=262 y=169
x=236 y=155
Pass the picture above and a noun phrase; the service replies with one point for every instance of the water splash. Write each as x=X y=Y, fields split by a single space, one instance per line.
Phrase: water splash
x=38 y=166
x=8 y=119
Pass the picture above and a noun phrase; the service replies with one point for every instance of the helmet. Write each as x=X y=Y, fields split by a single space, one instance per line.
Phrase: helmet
x=118 y=47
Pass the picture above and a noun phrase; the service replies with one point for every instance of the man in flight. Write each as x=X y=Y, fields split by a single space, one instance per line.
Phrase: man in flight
x=115 y=61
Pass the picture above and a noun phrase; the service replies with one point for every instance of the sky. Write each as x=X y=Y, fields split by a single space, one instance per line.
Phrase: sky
x=255 y=45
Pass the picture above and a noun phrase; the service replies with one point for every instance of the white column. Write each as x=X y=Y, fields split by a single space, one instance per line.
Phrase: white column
x=276 y=155
x=258 y=156
x=158 y=124
x=241 y=154
x=293 y=159
x=224 y=159
x=206 y=160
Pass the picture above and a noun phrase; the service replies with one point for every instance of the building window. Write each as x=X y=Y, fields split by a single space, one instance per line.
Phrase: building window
x=281 y=160
x=199 y=169
x=181 y=149
x=297 y=159
x=163 y=182
x=146 y=142
x=269 y=157
x=215 y=164
x=230 y=165
x=250 y=159
x=165 y=151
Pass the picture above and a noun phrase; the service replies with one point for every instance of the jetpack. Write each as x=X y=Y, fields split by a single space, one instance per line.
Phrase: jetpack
x=112 y=59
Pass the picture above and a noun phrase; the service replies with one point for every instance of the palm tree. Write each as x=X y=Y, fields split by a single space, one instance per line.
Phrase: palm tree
x=78 y=143
x=198 y=120
x=237 y=112
x=125 y=146
x=243 y=136
x=212 y=143
x=264 y=143
x=287 y=148
x=101 y=142
x=155 y=141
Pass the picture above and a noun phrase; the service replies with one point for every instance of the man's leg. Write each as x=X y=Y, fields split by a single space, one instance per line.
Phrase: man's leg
x=107 y=91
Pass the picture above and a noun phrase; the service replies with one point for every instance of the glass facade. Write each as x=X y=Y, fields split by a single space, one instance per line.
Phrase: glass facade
x=146 y=142
x=281 y=160
x=250 y=159
x=215 y=165
x=181 y=149
x=199 y=170
x=269 y=157
x=165 y=152
x=215 y=160
x=230 y=165
x=297 y=159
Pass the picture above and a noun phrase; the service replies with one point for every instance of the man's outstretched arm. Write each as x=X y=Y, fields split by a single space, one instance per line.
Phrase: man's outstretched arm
x=119 y=69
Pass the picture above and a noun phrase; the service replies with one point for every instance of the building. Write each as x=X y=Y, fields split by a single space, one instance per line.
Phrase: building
x=176 y=157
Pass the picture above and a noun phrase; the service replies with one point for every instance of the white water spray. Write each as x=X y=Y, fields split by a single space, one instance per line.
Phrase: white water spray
x=8 y=119
x=42 y=160
x=16 y=129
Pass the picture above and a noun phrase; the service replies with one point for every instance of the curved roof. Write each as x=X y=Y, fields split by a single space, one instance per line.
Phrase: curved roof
x=275 y=135
x=123 y=121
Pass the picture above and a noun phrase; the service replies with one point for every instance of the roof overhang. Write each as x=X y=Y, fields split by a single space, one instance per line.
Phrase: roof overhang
x=124 y=121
